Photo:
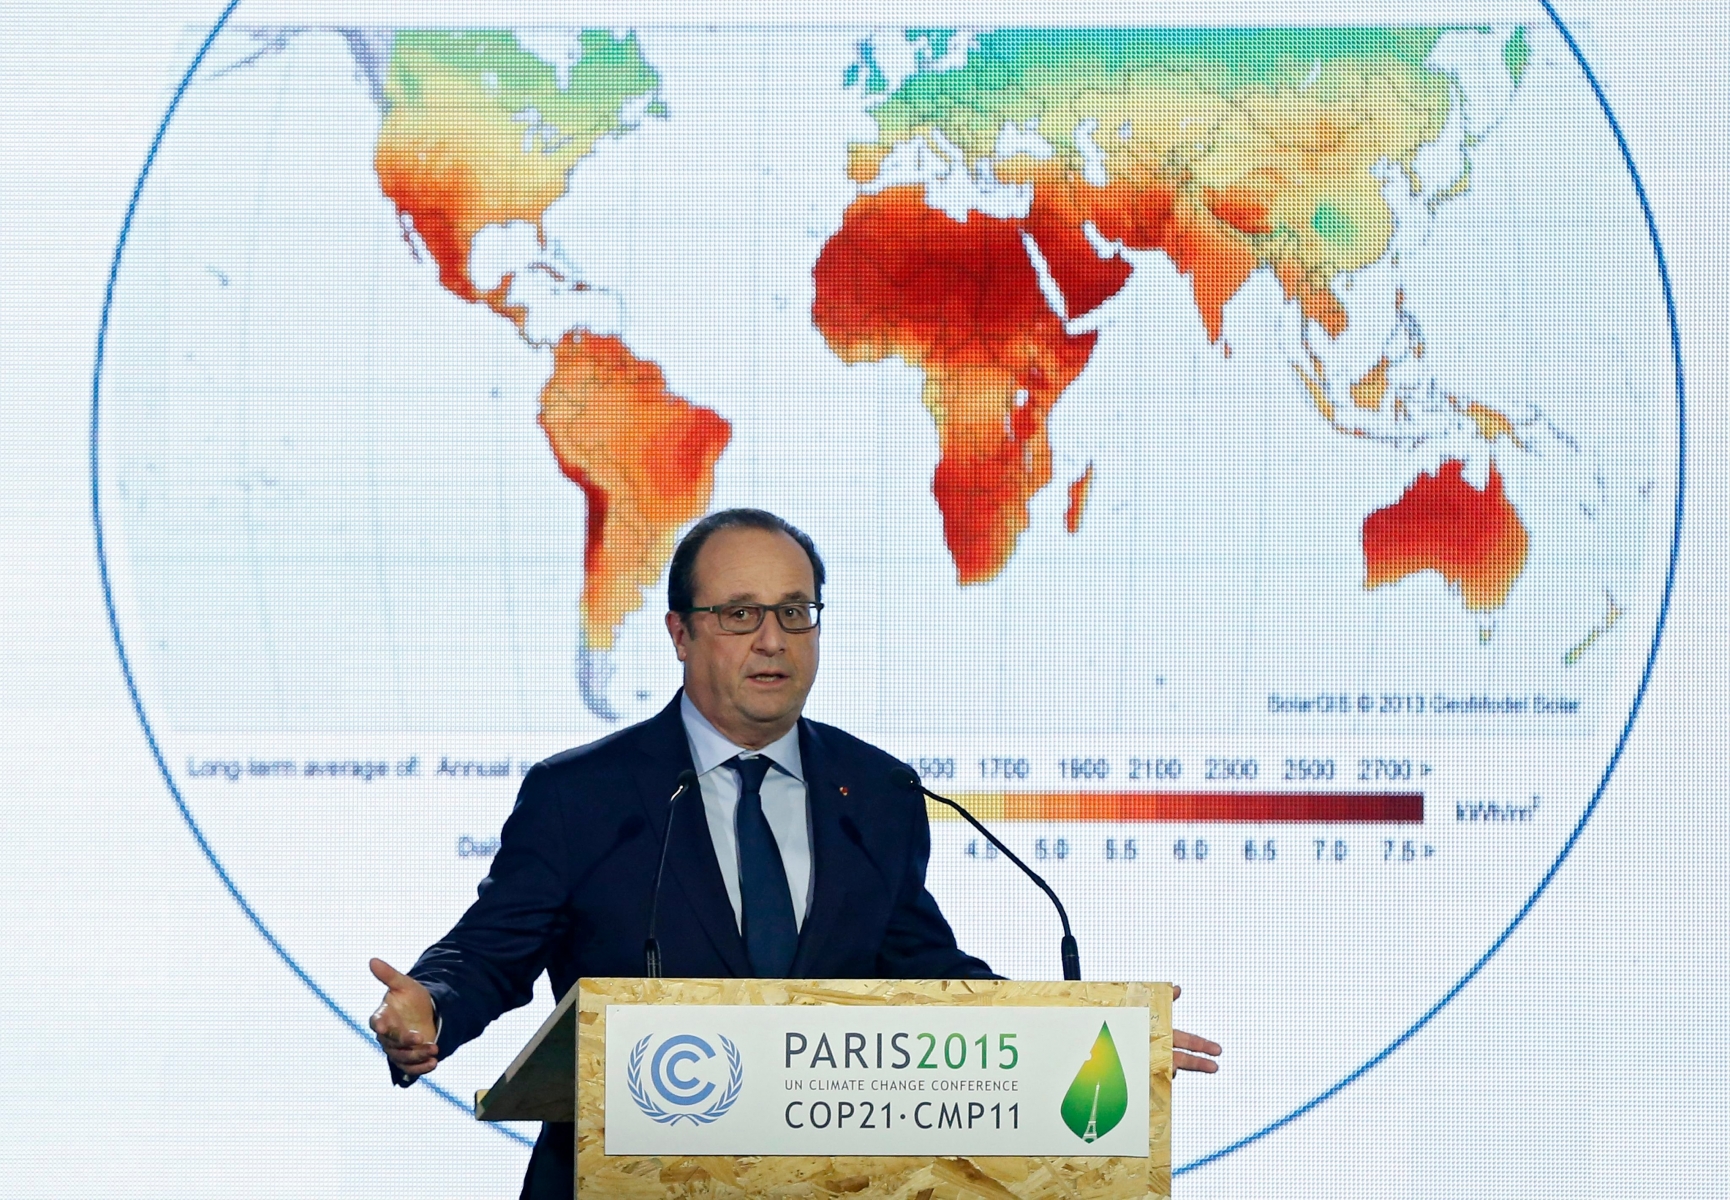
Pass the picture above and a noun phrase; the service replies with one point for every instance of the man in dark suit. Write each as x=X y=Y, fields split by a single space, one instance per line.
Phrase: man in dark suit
x=797 y=856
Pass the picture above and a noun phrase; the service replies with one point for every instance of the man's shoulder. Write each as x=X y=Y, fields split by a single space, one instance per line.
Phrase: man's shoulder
x=612 y=748
x=622 y=749
x=837 y=745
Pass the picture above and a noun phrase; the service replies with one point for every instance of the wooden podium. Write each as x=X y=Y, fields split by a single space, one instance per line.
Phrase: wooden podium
x=563 y=1075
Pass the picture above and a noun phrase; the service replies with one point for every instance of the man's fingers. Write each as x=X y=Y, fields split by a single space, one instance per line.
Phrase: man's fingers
x=393 y=1036
x=1192 y=1053
x=1189 y=1041
x=397 y=1019
x=387 y=974
x=1188 y=1050
x=386 y=1021
x=418 y=1068
x=1193 y=1062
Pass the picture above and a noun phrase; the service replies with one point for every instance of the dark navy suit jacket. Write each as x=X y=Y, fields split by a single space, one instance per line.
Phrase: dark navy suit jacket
x=569 y=889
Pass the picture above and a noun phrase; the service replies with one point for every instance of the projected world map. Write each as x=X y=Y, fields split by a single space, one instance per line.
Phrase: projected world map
x=1250 y=428
x=981 y=218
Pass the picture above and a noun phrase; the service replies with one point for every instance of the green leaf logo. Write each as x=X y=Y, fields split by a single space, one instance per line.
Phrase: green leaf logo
x=1099 y=1097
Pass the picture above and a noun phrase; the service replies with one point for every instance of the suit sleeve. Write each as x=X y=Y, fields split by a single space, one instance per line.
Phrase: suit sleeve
x=487 y=964
x=919 y=944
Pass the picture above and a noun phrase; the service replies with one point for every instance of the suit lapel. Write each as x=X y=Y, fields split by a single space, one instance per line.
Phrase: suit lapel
x=835 y=860
x=692 y=868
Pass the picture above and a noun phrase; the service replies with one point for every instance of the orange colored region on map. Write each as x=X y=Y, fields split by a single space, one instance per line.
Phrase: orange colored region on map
x=1261 y=808
x=1316 y=299
x=1369 y=391
x=1491 y=424
x=1078 y=500
x=1055 y=221
x=432 y=182
x=1207 y=242
x=644 y=458
x=1146 y=213
x=1241 y=208
x=961 y=300
x=1473 y=539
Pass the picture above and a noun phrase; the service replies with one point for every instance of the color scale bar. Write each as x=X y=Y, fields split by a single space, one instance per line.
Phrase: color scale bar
x=1400 y=808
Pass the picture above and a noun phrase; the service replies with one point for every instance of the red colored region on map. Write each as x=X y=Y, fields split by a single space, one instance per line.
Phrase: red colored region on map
x=1086 y=280
x=961 y=300
x=644 y=458
x=1472 y=538
x=433 y=185
x=1078 y=490
x=1146 y=212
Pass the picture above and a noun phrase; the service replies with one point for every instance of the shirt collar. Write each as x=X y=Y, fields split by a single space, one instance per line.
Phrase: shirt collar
x=710 y=747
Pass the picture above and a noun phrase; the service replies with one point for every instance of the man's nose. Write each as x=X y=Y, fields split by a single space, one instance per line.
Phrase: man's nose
x=771 y=638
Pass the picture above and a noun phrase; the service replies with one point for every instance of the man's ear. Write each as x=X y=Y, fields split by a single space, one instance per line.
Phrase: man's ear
x=679 y=632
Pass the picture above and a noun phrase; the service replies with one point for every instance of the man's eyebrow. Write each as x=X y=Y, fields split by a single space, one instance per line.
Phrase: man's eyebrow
x=797 y=594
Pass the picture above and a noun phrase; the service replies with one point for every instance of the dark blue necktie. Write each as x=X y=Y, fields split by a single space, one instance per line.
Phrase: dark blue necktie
x=766 y=904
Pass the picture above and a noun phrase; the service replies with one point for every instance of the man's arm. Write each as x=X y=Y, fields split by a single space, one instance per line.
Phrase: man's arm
x=487 y=964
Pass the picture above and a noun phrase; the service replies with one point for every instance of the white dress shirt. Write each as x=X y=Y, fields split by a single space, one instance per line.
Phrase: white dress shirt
x=784 y=804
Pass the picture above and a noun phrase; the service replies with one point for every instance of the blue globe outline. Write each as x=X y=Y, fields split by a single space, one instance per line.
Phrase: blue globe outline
x=361 y=1030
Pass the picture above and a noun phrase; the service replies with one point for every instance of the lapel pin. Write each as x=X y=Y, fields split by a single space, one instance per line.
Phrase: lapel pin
x=843 y=791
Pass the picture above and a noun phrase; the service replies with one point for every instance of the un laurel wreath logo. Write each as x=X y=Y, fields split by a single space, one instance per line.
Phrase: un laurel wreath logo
x=680 y=1091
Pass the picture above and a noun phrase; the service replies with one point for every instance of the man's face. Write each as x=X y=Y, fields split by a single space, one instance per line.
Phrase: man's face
x=751 y=686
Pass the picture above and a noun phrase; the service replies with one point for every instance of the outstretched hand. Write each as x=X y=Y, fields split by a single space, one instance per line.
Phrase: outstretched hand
x=405 y=1021
x=1191 y=1053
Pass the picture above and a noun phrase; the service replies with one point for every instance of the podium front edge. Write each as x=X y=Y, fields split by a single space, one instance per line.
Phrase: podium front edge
x=897 y=1177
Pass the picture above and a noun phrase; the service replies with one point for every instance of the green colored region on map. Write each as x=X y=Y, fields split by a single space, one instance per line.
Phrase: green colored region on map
x=1333 y=224
x=610 y=71
x=1010 y=74
x=1516 y=52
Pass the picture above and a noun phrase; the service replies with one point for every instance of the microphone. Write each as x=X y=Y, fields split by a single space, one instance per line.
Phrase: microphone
x=904 y=777
x=651 y=947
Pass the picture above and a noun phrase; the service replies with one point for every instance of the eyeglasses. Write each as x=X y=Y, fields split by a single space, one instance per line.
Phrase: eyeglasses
x=795 y=616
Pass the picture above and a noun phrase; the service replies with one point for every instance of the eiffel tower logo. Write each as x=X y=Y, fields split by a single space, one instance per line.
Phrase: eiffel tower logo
x=1098 y=1097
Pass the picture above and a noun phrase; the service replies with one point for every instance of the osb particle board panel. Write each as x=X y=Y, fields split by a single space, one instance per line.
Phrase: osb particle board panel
x=647 y=1177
